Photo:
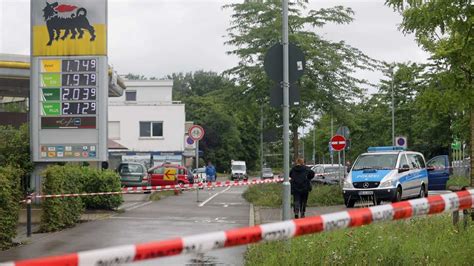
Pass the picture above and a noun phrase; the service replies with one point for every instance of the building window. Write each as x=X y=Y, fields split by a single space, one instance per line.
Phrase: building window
x=114 y=129
x=151 y=129
x=130 y=96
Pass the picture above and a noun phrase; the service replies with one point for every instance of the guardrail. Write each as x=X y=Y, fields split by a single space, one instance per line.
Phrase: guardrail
x=266 y=232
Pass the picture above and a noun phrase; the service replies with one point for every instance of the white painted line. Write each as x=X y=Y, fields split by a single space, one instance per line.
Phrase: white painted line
x=139 y=206
x=213 y=196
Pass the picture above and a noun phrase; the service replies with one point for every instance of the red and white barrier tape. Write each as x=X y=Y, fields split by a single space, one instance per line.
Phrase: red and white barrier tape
x=128 y=190
x=266 y=232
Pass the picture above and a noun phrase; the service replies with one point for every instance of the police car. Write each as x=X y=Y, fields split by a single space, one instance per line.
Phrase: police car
x=391 y=174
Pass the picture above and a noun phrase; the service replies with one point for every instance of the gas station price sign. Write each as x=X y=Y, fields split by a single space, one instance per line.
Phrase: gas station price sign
x=68 y=88
x=69 y=81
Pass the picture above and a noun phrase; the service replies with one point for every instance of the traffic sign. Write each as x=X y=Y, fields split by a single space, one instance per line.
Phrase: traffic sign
x=273 y=62
x=338 y=142
x=196 y=132
x=401 y=141
x=170 y=174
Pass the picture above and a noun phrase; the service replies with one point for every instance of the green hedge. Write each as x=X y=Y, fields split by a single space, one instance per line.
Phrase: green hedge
x=10 y=195
x=101 y=181
x=59 y=213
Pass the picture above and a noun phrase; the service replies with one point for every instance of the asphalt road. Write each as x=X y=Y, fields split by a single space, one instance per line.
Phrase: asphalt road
x=144 y=221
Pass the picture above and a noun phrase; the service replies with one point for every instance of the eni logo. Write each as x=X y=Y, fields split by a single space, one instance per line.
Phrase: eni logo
x=67 y=18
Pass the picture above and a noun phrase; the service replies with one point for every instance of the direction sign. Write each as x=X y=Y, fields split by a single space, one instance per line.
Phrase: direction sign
x=338 y=142
x=170 y=174
x=196 y=132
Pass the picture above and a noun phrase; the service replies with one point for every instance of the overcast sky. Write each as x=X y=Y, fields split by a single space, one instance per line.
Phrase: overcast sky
x=159 y=37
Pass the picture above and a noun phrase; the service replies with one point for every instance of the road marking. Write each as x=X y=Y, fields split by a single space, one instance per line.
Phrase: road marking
x=138 y=206
x=213 y=196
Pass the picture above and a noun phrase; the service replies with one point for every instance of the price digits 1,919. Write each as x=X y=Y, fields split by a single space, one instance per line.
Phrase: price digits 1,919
x=78 y=94
x=83 y=79
x=79 y=65
x=78 y=108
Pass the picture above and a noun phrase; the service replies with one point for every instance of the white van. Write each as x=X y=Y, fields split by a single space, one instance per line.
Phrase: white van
x=238 y=170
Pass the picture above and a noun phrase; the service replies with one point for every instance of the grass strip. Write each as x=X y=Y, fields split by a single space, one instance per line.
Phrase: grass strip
x=270 y=195
x=158 y=195
x=420 y=241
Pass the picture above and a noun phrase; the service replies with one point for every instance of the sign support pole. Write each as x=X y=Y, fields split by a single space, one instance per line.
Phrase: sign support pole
x=286 y=116
x=339 y=162
x=197 y=166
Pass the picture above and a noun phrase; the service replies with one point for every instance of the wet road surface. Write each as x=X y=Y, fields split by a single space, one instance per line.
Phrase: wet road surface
x=145 y=221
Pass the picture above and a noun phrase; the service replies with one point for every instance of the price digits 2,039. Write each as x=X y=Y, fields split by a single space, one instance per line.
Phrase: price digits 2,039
x=78 y=94
x=78 y=108
x=84 y=79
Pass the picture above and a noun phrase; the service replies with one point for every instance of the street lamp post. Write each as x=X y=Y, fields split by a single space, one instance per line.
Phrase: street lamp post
x=393 y=106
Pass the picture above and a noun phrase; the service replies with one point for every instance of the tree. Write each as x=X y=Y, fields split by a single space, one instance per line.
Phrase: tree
x=445 y=30
x=329 y=80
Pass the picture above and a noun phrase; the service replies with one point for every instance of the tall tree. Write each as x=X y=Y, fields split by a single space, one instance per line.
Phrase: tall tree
x=445 y=30
x=329 y=80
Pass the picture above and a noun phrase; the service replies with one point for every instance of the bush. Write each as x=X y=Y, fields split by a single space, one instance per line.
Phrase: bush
x=101 y=181
x=10 y=196
x=458 y=181
x=59 y=213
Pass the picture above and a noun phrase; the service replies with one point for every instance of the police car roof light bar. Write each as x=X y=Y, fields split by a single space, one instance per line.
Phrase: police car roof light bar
x=385 y=148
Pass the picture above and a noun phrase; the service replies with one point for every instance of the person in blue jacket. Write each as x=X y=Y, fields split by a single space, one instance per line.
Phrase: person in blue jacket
x=210 y=172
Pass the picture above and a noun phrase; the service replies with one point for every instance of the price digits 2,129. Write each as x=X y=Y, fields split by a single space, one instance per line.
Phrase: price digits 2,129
x=79 y=108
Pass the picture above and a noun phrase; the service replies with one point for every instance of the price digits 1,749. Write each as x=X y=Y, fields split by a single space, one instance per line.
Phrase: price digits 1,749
x=79 y=65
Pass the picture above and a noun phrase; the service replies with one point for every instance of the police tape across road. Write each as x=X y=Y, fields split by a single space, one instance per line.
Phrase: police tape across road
x=266 y=232
x=128 y=190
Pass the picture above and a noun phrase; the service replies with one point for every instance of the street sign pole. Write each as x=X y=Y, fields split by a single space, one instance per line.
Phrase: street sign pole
x=286 y=116
x=197 y=166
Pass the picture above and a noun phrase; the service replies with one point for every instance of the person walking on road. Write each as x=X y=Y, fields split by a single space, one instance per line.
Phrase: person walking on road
x=210 y=173
x=300 y=182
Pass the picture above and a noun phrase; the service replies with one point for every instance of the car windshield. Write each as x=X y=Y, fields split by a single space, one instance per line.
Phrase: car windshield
x=238 y=167
x=131 y=169
x=376 y=161
x=267 y=170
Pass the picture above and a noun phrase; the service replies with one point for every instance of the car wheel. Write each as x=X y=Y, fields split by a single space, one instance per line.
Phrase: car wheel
x=349 y=203
x=423 y=193
x=398 y=196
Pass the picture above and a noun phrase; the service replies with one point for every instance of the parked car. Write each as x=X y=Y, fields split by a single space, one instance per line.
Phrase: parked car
x=199 y=175
x=267 y=173
x=393 y=174
x=168 y=174
x=133 y=174
x=328 y=173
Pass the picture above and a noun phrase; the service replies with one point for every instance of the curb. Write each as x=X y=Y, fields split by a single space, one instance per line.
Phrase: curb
x=251 y=215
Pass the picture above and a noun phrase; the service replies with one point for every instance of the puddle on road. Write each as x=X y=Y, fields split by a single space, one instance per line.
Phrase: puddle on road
x=202 y=259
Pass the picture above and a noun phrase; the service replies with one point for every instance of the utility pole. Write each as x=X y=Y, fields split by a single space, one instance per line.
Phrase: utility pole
x=261 y=140
x=314 y=143
x=393 y=107
x=286 y=115
x=332 y=134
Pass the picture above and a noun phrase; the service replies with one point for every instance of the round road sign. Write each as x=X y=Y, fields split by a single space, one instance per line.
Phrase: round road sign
x=196 y=132
x=338 y=142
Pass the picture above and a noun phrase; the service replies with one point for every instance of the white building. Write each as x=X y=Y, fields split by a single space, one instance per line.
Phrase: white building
x=147 y=122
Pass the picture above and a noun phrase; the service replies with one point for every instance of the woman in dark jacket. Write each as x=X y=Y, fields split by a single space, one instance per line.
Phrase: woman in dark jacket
x=300 y=182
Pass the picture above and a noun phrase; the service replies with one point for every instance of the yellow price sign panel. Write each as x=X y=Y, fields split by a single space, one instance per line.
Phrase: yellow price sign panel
x=50 y=65
x=170 y=174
